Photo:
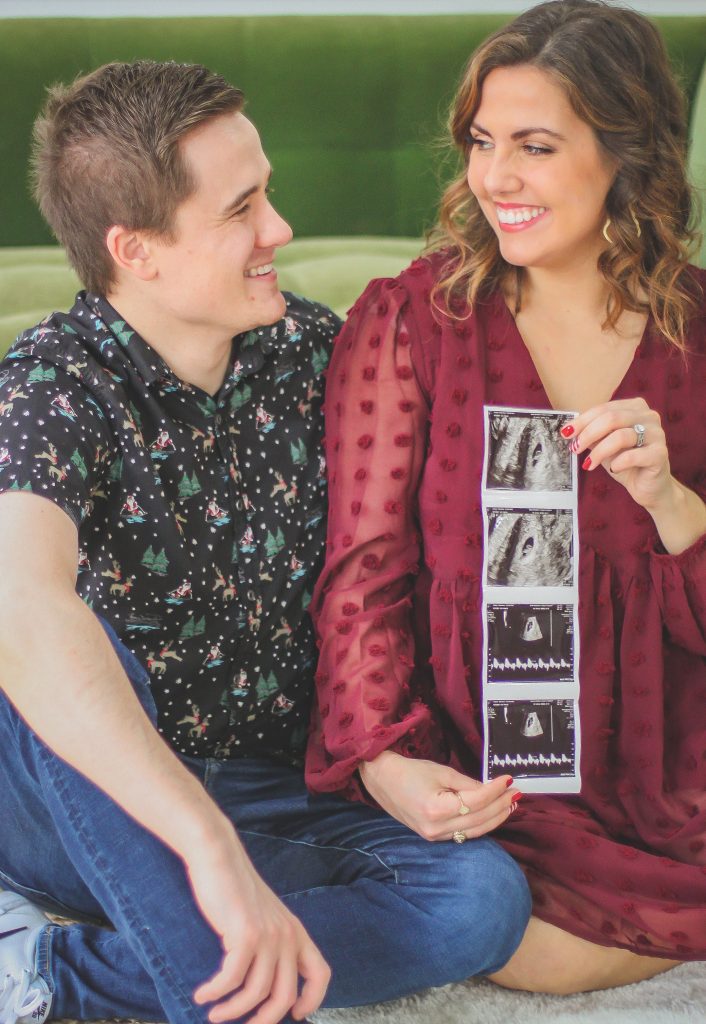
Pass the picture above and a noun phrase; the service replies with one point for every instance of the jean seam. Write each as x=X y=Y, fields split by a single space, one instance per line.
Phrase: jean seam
x=323 y=846
x=43 y=956
x=208 y=771
x=84 y=834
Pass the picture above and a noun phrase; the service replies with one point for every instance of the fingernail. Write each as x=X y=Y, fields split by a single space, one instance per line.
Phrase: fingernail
x=516 y=797
x=574 y=446
x=567 y=430
x=508 y=783
x=586 y=464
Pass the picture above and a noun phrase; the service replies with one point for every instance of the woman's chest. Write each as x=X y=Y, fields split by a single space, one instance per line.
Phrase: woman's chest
x=486 y=368
x=580 y=364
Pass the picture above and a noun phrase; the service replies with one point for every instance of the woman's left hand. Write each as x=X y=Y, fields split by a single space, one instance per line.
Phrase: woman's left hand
x=608 y=435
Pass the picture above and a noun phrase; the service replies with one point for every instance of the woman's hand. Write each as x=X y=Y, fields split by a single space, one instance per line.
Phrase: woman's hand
x=427 y=797
x=611 y=433
x=607 y=435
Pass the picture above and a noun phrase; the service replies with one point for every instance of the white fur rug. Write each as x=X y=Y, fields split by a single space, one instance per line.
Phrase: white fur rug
x=677 y=997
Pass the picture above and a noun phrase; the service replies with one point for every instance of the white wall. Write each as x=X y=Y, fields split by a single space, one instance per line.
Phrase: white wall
x=175 y=8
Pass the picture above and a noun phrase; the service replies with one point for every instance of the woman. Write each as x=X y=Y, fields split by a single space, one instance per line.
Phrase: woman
x=559 y=279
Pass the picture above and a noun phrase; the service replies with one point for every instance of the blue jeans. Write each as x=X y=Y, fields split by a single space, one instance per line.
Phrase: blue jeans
x=391 y=913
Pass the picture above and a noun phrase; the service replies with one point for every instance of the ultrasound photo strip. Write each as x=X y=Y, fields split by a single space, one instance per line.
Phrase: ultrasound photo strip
x=530 y=601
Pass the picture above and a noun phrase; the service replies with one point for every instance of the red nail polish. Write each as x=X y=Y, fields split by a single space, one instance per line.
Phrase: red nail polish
x=567 y=430
x=517 y=797
x=508 y=783
x=586 y=464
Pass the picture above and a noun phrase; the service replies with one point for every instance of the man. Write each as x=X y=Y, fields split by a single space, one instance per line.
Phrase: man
x=161 y=524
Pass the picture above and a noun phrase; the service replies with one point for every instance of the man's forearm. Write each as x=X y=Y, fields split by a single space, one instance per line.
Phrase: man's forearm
x=63 y=676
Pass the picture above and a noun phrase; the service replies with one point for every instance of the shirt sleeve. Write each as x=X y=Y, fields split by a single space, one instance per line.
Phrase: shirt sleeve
x=54 y=440
x=376 y=426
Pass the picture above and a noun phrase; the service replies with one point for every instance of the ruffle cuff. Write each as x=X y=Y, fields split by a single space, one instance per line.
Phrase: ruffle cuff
x=417 y=735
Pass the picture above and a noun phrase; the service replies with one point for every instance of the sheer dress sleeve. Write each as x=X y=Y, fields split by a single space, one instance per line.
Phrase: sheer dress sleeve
x=680 y=585
x=679 y=581
x=376 y=429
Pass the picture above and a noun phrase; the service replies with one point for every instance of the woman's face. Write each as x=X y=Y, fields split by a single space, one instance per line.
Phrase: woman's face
x=538 y=172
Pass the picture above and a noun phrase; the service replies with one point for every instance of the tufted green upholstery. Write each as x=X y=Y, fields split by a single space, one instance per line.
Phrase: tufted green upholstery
x=697 y=155
x=348 y=107
x=37 y=279
x=351 y=111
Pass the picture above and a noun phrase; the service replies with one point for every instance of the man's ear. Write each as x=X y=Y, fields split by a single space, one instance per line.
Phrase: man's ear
x=131 y=252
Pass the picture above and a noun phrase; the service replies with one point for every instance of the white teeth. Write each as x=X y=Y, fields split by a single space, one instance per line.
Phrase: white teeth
x=519 y=216
x=259 y=271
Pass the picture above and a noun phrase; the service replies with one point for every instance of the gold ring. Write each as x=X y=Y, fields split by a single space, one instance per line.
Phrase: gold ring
x=459 y=837
x=462 y=809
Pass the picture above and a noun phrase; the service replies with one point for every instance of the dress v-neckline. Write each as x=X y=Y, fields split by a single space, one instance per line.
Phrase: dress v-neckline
x=639 y=353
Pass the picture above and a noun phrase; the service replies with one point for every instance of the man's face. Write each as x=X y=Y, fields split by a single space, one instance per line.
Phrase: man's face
x=217 y=274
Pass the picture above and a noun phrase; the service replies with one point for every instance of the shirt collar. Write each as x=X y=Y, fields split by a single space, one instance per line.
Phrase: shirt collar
x=248 y=354
x=119 y=337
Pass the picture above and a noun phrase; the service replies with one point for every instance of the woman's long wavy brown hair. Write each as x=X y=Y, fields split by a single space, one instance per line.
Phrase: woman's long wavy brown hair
x=613 y=67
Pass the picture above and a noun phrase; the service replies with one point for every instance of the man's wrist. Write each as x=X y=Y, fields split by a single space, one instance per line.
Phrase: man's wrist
x=209 y=836
x=190 y=822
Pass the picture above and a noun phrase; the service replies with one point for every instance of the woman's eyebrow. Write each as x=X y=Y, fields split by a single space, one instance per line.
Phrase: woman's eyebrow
x=521 y=133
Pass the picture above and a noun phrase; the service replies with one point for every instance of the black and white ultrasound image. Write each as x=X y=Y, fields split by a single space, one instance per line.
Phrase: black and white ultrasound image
x=530 y=643
x=530 y=548
x=531 y=739
x=526 y=452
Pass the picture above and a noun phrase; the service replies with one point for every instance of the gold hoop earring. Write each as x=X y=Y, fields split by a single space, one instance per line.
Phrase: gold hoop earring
x=607 y=237
x=635 y=220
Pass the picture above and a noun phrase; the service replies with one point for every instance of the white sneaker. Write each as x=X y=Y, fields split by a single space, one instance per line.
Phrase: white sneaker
x=24 y=995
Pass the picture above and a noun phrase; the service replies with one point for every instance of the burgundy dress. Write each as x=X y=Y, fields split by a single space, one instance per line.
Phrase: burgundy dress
x=398 y=611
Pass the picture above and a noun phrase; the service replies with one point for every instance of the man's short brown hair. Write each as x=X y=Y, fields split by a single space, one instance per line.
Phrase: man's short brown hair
x=106 y=151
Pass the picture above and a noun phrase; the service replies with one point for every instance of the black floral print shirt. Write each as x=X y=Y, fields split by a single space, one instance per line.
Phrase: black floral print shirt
x=201 y=519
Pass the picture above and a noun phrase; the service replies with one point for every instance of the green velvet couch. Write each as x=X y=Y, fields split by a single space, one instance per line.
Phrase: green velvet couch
x=351 y=111
x=37 y=279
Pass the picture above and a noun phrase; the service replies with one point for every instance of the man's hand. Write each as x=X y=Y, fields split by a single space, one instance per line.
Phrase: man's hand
x=266 y=947
x=427 y=796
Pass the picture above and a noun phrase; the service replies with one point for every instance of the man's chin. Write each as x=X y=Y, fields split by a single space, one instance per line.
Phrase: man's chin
x=278 y=300
x=265 y=313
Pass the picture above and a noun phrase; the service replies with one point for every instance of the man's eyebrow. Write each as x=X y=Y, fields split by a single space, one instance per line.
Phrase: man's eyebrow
x=241 y=197
x=521 y=133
